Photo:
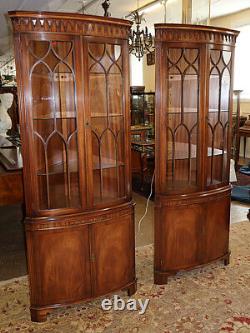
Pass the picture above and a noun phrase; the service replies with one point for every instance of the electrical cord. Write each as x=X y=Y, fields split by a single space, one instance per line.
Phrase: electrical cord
x=146 y=209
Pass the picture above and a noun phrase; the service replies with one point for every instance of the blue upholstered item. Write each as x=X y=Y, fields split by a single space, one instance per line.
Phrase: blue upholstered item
x=241 y=193
x=245 y=170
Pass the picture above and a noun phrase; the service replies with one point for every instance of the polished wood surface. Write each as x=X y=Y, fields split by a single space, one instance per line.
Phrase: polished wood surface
x=11 y=180
x=194 y=66
x=73 y=86
x=11 y=187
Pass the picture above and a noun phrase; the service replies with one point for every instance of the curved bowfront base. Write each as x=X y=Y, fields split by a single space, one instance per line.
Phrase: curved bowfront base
x=79 y=257
x=190 y=231
x=162 y=277
x=39 y=314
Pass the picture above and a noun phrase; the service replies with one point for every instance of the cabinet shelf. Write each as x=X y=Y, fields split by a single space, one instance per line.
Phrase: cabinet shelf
x=181 y=151
x=61 y=168
x=57 y=115
x=56 y=76
x=107 y=163
x=103 y=74
x=109 y=166
x=101 y=115
x=52 y=118
x=192 y=110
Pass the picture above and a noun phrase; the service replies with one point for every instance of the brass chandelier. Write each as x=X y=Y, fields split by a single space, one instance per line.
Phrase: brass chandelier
x=140 y=41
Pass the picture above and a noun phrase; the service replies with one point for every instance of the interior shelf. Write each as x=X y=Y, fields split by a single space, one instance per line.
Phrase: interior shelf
x=57 y=115
x=192 y=110
x=101 y=115
x=181 y=151
x=103 y=74
x=107 y=163
x=60 y=168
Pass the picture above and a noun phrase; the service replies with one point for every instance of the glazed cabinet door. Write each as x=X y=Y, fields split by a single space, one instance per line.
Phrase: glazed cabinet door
x=112 y=255
x=216 y=228
x=106 y=121
x=218 y=148
x=178 y=124
x=51 y=122
x=219 y=116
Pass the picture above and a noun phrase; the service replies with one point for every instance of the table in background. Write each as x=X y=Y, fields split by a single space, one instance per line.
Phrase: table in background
x=11 y=187
x=142 y=151
x=244 y=132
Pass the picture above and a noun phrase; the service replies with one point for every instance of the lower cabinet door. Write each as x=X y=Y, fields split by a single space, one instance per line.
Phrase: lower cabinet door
x=112 y=254
x=216 y=231
x=177 y=243
x=59 y=265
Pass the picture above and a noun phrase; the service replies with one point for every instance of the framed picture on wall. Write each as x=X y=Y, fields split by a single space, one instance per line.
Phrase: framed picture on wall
x=151 y=58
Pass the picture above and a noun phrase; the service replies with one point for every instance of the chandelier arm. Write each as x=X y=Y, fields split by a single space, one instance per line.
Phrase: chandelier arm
x=141 y=41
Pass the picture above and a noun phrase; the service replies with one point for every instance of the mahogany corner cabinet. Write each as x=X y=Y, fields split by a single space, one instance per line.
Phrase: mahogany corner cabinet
x=73 y=88
x=194 y=76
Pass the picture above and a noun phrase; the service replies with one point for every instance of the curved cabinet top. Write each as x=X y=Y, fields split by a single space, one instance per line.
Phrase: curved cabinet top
x=194 y=33
x=69 y=23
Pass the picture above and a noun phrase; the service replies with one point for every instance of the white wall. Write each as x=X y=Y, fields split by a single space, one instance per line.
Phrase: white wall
x=136 y=71
x=236 y=21
x=149 y=76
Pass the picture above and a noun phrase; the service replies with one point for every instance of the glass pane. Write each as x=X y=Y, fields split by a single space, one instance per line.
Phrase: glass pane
x=182 y=119
x=64 y=91
x=214 y=85
x=39 y=49
x=54 y=123
x=113 y=51
x=107 y=121
x=225 y=89
x=62 y=50
x=42 y=91
x=174 y=93
x=219 y=90
x=115 y=94
x=98 y=98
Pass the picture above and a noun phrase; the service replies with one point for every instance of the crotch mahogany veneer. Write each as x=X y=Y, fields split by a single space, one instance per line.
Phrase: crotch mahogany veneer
x=73 y=91
x=194 y=66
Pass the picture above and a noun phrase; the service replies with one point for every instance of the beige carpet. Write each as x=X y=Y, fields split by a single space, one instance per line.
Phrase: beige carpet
x=215 y=299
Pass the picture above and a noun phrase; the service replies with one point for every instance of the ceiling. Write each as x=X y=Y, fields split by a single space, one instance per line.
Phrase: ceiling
x=118 y=8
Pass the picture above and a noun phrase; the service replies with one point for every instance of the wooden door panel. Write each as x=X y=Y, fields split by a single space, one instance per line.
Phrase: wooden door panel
x=216 y=228
x=62 y=259
x=180 y=237
x=113 y=264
